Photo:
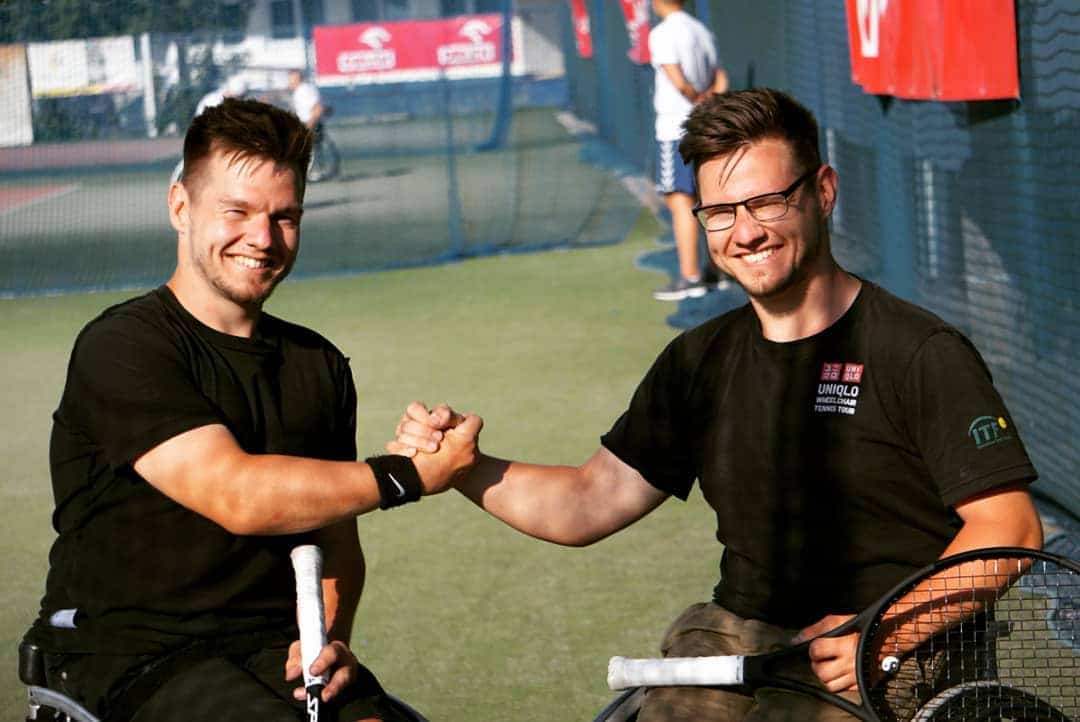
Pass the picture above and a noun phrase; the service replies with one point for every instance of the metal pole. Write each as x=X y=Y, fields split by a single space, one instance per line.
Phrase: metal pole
x=149 y=93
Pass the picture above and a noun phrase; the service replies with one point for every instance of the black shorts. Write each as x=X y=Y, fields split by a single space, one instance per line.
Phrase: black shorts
x=194 y=687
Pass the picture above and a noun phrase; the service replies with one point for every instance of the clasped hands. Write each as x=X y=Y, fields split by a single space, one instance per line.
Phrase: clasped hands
x=448 y=439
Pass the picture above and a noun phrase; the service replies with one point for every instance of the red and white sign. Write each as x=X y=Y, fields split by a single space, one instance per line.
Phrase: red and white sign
x=934 y=49
x=582 y=32
x=636 y=13
x=424 y=47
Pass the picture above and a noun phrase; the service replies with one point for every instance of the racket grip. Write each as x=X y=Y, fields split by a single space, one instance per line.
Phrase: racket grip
x=310 y=611
x=624 y=673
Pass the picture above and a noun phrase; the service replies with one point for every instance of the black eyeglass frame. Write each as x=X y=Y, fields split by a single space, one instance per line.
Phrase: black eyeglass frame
x=785 y=194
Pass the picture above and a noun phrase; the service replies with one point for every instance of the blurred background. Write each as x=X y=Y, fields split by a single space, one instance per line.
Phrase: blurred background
x=467 y=129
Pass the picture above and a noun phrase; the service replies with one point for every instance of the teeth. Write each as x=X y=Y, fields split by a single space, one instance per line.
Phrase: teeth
x=251 y=262
x=759 y=256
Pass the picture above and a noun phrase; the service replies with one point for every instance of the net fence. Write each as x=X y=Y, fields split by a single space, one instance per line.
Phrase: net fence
x=971 y=209
x=447 y=117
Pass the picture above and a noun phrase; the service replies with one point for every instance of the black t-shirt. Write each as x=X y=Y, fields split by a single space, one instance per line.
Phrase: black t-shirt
x=832 y=462
x=145 y=573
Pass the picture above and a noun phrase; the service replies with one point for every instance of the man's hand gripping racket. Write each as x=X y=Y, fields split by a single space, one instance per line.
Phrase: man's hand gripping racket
x=992 y=634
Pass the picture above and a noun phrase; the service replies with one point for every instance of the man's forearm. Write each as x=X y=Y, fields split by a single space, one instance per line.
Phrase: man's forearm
x=343 y=577
x=568 y=505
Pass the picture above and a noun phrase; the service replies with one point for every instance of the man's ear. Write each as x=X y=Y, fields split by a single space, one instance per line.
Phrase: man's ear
x=179 y=206
x=826 y=188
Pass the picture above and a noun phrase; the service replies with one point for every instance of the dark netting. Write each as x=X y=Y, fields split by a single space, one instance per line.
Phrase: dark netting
x=433 y=165
x=971 y=209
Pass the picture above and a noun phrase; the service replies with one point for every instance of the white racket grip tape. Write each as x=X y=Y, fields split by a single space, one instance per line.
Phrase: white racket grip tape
x=310 y=612
x=624 y=673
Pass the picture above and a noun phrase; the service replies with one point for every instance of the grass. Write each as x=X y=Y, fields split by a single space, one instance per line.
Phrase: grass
x=463 y=617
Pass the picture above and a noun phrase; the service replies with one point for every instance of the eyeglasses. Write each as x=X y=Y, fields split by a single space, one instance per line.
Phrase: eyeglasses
x=764 y=208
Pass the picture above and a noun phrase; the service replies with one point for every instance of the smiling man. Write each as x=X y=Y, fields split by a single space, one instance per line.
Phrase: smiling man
x=198 y=440
x=827 y=423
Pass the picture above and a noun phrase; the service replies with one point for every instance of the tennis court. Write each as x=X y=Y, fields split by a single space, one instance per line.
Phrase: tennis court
x=486 y=243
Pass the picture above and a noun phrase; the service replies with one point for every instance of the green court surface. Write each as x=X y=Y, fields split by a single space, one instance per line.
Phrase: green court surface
x=463 y=617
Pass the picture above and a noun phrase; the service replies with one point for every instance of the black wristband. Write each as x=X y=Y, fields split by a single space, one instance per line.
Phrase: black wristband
x=398 y=480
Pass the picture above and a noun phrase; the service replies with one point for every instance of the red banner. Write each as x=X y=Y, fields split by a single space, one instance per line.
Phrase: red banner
x=582 y=32
x=934 y=49
x=636 y=13
x=409 y=45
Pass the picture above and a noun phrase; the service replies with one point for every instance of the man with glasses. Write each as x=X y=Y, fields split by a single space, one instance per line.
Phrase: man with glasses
x=836 y=430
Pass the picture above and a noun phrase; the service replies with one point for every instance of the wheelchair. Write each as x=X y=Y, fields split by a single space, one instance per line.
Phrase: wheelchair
x=46 y=705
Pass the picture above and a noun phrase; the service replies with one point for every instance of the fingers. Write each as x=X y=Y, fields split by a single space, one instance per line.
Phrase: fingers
x=469 y=427
x=418 y=436
x=833 y=661
x=422 y=430
x=293 y=667
x=338 y=664
x=835 y=674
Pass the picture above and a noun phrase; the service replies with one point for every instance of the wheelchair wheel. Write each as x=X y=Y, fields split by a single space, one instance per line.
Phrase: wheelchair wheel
x=45 y=705
x=325 y=159
x=623 y=708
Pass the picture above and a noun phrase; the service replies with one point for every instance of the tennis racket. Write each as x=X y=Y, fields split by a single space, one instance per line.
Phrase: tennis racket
x=311 y=618
x=992 y=634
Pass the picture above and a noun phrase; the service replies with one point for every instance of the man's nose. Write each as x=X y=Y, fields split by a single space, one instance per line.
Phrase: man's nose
x=746 y=230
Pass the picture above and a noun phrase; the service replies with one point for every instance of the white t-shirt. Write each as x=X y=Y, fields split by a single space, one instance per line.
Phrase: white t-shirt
x=680 y=39
x=304 y=99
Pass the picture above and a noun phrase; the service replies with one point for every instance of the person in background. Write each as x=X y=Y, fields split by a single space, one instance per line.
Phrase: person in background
x=683 y=53
x=306 y=100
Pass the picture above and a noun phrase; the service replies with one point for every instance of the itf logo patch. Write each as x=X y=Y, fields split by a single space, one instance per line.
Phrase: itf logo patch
x=989 y=430
x=838 y=392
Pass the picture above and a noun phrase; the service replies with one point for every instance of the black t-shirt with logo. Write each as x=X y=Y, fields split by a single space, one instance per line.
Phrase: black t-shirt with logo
x=144 y=573
x=832 y=462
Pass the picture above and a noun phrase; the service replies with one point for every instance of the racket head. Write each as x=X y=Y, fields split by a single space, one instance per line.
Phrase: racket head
x=999 y=627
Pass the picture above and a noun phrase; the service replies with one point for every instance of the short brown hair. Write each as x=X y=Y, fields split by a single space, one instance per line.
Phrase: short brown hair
x=248 y=129
x=725 y=122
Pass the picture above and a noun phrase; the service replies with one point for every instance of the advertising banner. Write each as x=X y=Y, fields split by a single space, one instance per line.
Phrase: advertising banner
x=410 y=49
x=582 y=32
x=934 y=49
x=83 y=67
x=636 y=13
x=16 y=122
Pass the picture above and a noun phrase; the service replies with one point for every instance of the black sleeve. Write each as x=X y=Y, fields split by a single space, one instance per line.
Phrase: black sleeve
x=651 y=435
x=959 y=422
x=130 y=389
x=345 y=441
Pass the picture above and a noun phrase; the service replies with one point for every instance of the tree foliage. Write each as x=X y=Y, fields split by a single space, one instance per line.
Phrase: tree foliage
x=41 y=20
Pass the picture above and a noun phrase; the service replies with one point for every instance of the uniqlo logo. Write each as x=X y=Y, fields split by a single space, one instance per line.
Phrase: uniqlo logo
x=852 y=373
x=831 y=372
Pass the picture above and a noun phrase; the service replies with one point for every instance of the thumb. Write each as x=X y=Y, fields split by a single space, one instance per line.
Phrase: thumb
x=469 y=425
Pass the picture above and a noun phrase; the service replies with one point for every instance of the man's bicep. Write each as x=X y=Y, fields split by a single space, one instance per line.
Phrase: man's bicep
x=620 y=488
x=190 y=467
x=1004 y=516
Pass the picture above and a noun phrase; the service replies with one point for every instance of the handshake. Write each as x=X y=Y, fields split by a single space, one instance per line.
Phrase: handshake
x=442 y=443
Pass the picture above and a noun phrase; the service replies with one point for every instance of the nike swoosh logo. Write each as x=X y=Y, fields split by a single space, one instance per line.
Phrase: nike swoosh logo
x=400 y=488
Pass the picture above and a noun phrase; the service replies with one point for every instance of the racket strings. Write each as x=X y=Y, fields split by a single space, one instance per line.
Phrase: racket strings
x=993 y=639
